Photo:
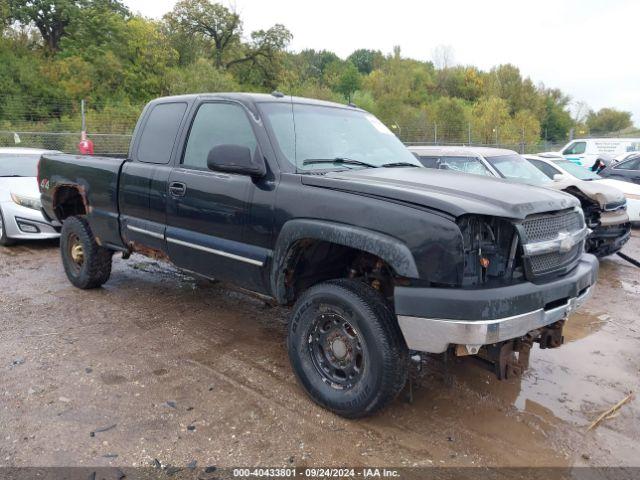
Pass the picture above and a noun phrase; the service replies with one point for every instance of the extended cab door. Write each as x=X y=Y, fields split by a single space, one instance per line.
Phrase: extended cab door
x=207 y=211
x=143 y=181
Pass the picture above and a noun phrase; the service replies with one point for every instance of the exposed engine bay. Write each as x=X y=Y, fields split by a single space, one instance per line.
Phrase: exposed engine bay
x=490 y=250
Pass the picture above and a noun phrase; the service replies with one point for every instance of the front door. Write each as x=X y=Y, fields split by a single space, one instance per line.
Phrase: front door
x=207 y=211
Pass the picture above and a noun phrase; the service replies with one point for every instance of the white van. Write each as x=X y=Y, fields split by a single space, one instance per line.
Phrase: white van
x=585 y=151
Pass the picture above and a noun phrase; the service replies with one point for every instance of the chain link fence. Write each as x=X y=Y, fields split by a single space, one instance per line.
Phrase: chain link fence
x=118 y=143
x=104 y=143
x=110 y=126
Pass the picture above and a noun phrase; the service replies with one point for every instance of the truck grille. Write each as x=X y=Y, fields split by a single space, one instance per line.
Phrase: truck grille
x=545 y=227
x=539 y=228
x=548 y=262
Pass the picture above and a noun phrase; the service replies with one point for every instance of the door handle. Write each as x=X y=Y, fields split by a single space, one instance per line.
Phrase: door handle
x=177 y=189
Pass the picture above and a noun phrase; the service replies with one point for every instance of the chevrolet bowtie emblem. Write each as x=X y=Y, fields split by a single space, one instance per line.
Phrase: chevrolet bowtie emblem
x=566 y=241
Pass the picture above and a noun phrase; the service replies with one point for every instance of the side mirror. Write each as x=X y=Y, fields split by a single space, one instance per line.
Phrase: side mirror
x=235 y=159
x=558 y=177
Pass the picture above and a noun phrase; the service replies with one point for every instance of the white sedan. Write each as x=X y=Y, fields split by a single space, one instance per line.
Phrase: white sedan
x=20 y=215
x=559 y=166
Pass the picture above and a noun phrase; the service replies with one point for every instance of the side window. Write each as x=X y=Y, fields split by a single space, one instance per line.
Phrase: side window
x=633 y=164
x=545 y=168
x=464 y=164
x=160 y=131
x=217 y=124
x=576 y=148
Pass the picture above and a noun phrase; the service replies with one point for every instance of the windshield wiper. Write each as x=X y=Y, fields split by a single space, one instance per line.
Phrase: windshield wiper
x=399 y=164
x=10 y=176
x=338 y=161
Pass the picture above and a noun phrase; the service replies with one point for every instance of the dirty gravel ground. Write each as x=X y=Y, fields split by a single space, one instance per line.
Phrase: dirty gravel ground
x=190 y=370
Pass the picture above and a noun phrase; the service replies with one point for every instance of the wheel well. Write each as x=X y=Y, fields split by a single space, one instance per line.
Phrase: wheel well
x=311 y=261
x=68 y=201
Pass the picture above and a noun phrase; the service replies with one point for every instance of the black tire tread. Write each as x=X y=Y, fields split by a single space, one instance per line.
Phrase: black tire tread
x=98 y=259
x=395 y=369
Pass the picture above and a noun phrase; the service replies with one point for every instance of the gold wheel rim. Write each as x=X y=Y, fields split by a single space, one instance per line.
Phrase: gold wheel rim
x=76 y=252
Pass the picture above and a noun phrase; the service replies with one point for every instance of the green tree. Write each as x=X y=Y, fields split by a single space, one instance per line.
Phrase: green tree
x=505 y=81
x=200 y=76
x=556 y=120
x=450 y=116
x=524 y=128
x=4 y=15
x=213 y=21
x=100 y=28
x=53 y=18
x=366 y=60
x=223 y=28
x=146 y=58
x=490 y=116
x=608 y=120
x=349 y=81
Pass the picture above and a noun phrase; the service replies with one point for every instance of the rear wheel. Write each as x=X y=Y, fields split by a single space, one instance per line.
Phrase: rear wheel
x=4 y=240
x=346 y=348
x=87 y=264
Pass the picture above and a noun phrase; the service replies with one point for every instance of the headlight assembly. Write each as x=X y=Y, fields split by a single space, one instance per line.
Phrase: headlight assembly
x=28 y=202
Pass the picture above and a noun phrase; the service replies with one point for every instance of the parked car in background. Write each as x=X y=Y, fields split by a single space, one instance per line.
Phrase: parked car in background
x=607 y=237
x=624 y=156
x=487 y=161
x=627 y=170
x=585 y=151
x=604 y=206
x=20 y=215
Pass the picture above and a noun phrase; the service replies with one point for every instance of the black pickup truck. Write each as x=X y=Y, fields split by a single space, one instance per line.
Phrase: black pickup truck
x=319 y=206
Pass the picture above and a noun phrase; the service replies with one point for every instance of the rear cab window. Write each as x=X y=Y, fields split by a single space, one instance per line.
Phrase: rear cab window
x=159 y=132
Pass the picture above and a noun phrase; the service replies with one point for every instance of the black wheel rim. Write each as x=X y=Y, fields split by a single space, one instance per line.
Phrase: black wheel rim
x=336 y=350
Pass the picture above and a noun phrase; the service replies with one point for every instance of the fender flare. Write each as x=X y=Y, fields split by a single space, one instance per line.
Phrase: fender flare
x=393 y=251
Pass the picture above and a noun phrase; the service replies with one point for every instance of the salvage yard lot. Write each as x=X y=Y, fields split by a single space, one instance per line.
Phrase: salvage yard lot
x=187 y=370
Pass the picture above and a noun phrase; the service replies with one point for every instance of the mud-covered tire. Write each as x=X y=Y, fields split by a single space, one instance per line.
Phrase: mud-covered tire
x=372 y=330
x=77 y=242
x=4 y=240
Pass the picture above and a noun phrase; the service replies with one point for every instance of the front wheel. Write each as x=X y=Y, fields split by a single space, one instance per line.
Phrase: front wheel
x=346 y=348
x=87 y=264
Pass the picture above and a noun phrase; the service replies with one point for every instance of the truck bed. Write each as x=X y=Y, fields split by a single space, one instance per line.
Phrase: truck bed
x=97 y=180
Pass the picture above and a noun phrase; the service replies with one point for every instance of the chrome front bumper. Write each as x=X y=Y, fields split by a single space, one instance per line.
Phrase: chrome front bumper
x=434 y=335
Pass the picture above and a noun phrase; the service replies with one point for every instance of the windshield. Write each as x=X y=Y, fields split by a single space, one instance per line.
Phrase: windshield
x=313 y=137
x=12 y=165
x=577 y=171
x=516 y=168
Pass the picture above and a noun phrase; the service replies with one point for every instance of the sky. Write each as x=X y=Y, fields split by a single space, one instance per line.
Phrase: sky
x=588 y=48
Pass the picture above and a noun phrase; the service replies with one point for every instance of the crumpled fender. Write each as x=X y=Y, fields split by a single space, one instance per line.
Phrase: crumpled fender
x=394 y=252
